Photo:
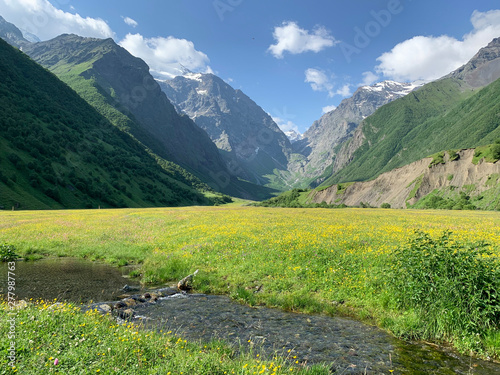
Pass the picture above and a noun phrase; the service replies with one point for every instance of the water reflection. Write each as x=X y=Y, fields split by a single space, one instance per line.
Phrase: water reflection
x=69 y=279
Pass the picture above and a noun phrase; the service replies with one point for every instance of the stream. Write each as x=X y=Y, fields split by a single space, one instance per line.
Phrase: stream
x=346 y=345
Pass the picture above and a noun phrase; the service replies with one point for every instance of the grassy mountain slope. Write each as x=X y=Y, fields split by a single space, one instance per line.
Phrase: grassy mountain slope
x=442 y=115
x=59 y=152
x=120 y=87
x=458 y=111
x=454 y=179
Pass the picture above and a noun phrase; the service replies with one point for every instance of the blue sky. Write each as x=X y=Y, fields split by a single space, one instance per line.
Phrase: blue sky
x=296 y=59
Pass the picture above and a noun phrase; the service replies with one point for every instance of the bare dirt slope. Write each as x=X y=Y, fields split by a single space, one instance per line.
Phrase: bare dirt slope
x=403 y=187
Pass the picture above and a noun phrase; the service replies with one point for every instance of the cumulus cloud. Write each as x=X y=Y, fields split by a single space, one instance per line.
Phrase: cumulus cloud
x=319 y=81
x=165 y=55
x=369 y=78
x=129 y=21
x=328 y=108
x=290 y=37
x=41 y=18
x=429 y=58
x=344 y=91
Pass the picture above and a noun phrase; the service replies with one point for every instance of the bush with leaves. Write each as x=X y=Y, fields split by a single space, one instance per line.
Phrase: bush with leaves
x=454 y=287
x=8 y=253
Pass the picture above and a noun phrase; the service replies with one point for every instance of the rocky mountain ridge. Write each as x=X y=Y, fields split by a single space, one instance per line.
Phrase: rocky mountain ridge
x=10 y=33
x=320 y=142
x=456 y=111
x=251 y=142
x=482 y=69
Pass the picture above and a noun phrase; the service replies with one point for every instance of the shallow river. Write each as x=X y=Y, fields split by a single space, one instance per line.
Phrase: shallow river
x=348 y=346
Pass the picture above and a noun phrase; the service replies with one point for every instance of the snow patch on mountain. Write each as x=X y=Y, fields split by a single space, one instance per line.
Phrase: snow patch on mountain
x=293 y=136
x=193 y=76
x=393 y=88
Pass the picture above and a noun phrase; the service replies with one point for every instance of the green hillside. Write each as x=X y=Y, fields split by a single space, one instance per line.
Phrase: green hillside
x=442 y=115
x=58 y=152
x=119 y=86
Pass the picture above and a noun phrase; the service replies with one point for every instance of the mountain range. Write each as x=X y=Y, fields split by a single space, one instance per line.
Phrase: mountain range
x=450 y=113
x=250 y=141
x=201 y=136
x=320 y=143
x=58 y=151
x=121 y=88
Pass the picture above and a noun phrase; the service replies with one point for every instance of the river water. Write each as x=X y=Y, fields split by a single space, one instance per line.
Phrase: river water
x=346 y=345
x=67 y=279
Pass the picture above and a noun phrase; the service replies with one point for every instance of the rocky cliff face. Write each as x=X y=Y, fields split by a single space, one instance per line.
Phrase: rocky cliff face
x=11 y=34
x=251 y=142
x=483 y=68
x=405 y=186
x=321 y=141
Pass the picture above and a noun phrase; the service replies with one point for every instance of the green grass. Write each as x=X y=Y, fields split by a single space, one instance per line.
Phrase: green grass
x=296 y=198
x=451 y=286
x=418 y=183
x=489 y=153
x=92 y=343
x=341 y=188
x=303 y=258
x=437 y=158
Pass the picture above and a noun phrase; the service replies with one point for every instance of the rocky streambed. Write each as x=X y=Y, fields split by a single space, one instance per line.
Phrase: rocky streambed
x=346 y=345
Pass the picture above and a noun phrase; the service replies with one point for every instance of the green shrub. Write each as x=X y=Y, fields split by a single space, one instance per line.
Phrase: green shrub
x=452 y=286
x=453 y=155
x=437 y=158
x=495 y=151
x=385 y=205
x=8 y=253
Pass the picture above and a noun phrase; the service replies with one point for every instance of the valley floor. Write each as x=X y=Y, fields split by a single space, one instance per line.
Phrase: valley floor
x=310 y=260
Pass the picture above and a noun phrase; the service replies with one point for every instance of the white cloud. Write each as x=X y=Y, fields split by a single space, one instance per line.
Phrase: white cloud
x=369 y=78
x=328 y=108
x=290 y=37
x=41 y=18
x=344 y=91
x=164 y=55
x=429 y=58
x=129 y=21
x=319 y=81
x=285 y=125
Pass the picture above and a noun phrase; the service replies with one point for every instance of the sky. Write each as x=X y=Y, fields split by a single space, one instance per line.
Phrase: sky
x=296 y=59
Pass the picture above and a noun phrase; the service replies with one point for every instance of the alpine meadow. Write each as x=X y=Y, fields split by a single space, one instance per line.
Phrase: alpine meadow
x=228 y=187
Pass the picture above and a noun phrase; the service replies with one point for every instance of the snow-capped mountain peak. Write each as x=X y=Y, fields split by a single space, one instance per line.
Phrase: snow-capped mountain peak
x=398 y=88
x=293 y=136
